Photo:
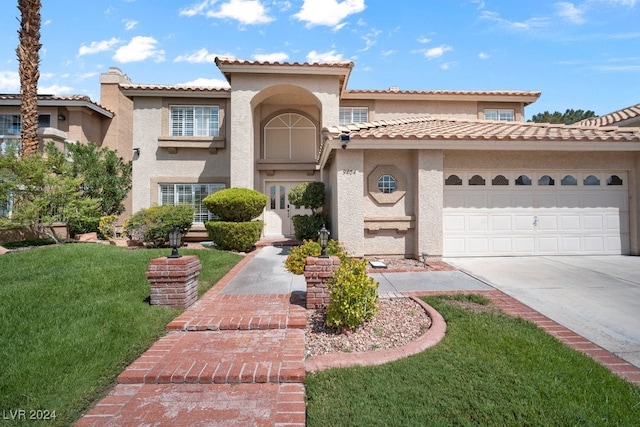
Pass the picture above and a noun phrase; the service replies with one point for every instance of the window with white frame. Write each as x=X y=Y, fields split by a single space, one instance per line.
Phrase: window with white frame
x=189 y=194
x=499 y=115
x=350 y=115
x=194 y=120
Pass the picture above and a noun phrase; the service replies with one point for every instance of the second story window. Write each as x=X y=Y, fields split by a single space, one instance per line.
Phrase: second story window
x=350 y=115
x=499 y=115
x=194 y=120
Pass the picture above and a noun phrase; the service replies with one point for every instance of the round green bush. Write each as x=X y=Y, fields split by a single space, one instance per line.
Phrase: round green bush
x=307 y=194
x=236 y=204
x=235 y=236
x=297 y=258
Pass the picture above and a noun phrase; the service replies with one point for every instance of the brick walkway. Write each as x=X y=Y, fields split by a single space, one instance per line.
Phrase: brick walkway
x=238 y=360
x=229 y=360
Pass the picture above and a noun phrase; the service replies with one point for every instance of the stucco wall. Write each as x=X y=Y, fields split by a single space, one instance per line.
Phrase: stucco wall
x=348 y=214
x=157 y=165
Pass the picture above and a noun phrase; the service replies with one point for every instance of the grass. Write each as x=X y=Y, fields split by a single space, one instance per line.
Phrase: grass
x=489 y=370
x=72 y=317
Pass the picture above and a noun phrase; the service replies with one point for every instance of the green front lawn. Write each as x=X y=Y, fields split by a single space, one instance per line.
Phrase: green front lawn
x=72 y=317
x=489 y=370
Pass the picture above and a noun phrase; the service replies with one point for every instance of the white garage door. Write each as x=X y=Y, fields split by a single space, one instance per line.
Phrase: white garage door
x=535 y=213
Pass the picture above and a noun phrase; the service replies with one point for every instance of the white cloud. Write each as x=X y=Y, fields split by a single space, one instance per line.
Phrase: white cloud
x=9 y=81
x=199 y=57
x=271 y=57
x=370 y=39
x=529 y=24
x=55 y=90
x=330 y=56
x=570 y=13
x=139 y=49
x=328 y=12
x=437 y=52
x=197 y=8
x=387 y=52
x=96 y=47
x=129 y=24
x=483 y=55
x=480 y=3
x=629 y=3
x=203 y=82
x=248 y=12
x=448 y=65
x=423 y=40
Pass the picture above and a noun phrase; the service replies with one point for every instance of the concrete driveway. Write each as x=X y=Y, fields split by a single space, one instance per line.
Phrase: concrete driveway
x=597 y=297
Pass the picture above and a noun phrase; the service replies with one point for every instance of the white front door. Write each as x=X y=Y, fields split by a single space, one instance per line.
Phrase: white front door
x=279 y=211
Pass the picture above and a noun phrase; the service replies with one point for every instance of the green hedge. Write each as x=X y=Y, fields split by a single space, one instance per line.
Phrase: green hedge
x=306 y=227
x=235 y=236
x=152 y=225
x=236 y=204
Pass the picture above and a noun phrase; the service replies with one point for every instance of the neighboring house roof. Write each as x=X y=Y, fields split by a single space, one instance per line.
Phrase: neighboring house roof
x=431 y=128
x=60 y=101
x=623 y=117
x=527 y=97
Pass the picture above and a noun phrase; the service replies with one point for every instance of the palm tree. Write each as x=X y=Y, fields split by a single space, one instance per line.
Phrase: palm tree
x=29 y=60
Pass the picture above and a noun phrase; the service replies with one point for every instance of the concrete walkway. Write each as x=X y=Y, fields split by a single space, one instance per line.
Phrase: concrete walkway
x=236 y=357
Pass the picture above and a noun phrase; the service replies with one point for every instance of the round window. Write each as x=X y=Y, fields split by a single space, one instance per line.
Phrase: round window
x=386 y=184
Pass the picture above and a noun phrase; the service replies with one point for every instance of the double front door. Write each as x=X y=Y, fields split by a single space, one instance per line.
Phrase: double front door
x=279 y=211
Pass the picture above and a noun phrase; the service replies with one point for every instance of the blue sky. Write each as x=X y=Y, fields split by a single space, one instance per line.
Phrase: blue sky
x=581 y=55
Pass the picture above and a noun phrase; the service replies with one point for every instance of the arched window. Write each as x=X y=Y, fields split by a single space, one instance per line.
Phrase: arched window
x=476 y=180
x=500 y=180
x=523 y=180
x=386 y=184
x=591 y=180
x=290 y=136
x=546 y=180
x=614 y=180
x=453 y=180
x=569 y=180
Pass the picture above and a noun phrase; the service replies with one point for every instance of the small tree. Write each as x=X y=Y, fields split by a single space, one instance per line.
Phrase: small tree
x=311 y=196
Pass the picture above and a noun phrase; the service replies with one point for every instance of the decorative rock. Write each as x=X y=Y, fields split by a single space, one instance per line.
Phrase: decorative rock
x=3 y=250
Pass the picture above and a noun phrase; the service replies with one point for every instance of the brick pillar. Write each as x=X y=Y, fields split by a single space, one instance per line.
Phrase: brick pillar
x=174 y=281
x=316 y=273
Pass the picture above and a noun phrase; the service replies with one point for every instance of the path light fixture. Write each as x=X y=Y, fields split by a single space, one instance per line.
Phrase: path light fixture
x=323 y=239
x=175 y=237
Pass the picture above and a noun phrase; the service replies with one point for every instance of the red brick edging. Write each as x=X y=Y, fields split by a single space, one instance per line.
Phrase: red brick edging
x=369 y=358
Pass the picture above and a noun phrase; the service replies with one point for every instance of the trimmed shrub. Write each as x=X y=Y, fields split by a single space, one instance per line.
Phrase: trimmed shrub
x=307 y=226
x=107 y=226
x=235 y=236
x=297 y=258
x=236 y=204
x=152 y=225
x=354 y=295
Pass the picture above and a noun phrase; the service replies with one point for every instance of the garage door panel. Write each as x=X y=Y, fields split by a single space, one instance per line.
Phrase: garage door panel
x=478 y=223
x=523 y=222
x=501 y=222
x=569 y=222
x=548 y=245
x=454 y=222
x=501 y=245
x=537 y=220
x=547 y=223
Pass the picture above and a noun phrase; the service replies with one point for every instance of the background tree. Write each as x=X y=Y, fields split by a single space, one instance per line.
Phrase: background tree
x=28 y=52
x=566 y=118
x=106 y=176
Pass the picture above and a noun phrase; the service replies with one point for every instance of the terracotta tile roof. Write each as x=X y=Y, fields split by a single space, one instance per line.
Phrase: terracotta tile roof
x=448 y=92
x=614 y=118
x=431 y=128
x=221 y=61
x=174 y=88
x=58 y=100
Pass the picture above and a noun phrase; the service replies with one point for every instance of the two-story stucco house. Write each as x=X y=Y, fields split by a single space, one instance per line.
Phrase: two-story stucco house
x=443 y=173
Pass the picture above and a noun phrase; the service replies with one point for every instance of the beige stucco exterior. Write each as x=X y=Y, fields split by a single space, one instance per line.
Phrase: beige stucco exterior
x=414 y=137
